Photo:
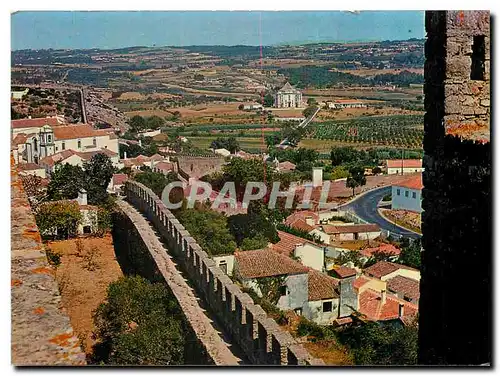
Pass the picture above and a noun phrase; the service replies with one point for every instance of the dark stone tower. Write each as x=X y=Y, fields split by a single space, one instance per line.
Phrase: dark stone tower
x=455 y=304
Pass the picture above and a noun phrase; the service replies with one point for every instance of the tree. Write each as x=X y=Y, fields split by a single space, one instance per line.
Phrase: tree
x=154 y=122
x=356 y=179
x=311 y=101
x=411 y=254
x=241 y=107
x=252 y=230
x=309 y=111
x=270 y=287
x=343 y=155
x=376 y=170
x=137 y=124
x=268 y=100
x=97 y=174
x=230 y=143
x=65 y=182
x=209 y=228
x=140 y=324
x=59 y=219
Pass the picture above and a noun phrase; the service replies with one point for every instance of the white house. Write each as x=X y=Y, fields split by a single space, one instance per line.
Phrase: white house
x=288 y=97
x=19 y=94
x=346 y=103
x=225 y=263
x=252 y=106
x=116 y=183
x=407 y=195
x=403 y=166
x=150 y=133
x=385 y=270
x=223 y=152
x=80 y=138
x=32 y=169
x=75 y=158
x=352 y=232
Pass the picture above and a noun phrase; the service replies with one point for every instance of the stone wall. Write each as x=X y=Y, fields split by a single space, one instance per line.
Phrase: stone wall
x=457 y=201
x=259 y=337
x=41 y=331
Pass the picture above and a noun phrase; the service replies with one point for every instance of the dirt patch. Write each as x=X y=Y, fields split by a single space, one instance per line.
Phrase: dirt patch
x=83 y=278
x=410 y=220
x=331 y=352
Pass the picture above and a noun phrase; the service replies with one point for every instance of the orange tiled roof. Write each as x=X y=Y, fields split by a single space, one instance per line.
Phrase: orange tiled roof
x=344 y=271
x=406 y=163
x=384 y=248
x=68 y=132
x=382 y=268
x=321 y=286
x=266 y=263
x=414 y=182
x=360 y=282
x=286 y=165
x=51 y=160
x=29 y=166
x=371 y=307
x=407 y=286
x=19 y=139
x=119 y=179
x=301 y=224
x=164 y=166
x=34 y=123
x=302 y=214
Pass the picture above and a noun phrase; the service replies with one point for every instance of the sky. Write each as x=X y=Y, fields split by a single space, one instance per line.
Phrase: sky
x=106 y=30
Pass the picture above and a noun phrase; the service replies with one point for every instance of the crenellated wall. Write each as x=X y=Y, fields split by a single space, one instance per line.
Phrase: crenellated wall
x=259 y=337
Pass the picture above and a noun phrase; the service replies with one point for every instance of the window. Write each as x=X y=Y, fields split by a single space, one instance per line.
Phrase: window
x=94 y=142
x=35 y=144
x=398 y=192
x=298 y=311
x=49 y=138
x=87 y=230
x=414 y=194
x=79 y=144
x=282 y=290
x=477 y=58
x=407 y=193
x=63 y=146
x=327 y=307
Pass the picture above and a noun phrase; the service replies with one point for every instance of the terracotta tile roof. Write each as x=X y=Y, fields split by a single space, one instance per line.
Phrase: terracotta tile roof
x=286 y=165
x=302 y=214
x=68 y=132
x=407 y=286
x=266 y=263
x=119 y=179
x=321 y=286
x=406 y=163
x=34 y=123
x=156 y=157
x=360 y=282
x=19 y=139
x=384 y=248
x=87 y=155
x=51 y=160
x=164 y=166
x=344 y=272
x=301 y=224
x=287 y=243
x=29 y=166
x=414 y=182
x=371 y=307
x=331 y=229
x=382 y=268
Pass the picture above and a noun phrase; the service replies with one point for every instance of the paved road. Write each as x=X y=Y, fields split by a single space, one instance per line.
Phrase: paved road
x=365 y=207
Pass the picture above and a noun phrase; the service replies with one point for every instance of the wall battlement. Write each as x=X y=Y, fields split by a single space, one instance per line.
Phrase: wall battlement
x=260 y=337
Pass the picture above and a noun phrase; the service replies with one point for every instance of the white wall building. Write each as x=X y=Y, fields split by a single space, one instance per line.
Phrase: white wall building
x=407 y=195
x=288 y=97
x=403 y=166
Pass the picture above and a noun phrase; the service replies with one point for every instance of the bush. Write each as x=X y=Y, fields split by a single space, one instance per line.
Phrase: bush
x=53 y=258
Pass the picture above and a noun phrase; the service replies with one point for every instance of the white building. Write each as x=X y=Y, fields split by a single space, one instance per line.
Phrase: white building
x=28 y=126
x=403 y=166
x=346 y=103
x=49 y=140
x=19 y=94
x=308 y=292
x=75 y=158
x=288 y=97
x=351 y=232
x=407 y=195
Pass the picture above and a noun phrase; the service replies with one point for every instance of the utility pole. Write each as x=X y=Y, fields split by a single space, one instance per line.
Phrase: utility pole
x=402 y=161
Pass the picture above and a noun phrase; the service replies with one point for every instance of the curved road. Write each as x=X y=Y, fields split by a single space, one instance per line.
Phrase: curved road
x=365 y=207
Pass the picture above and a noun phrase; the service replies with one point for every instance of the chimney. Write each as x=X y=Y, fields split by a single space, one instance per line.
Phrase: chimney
x=124 y=155
x=401 y=310
x=310 y=221
x=82 y=197
x=317 y=176
x=384 y=296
